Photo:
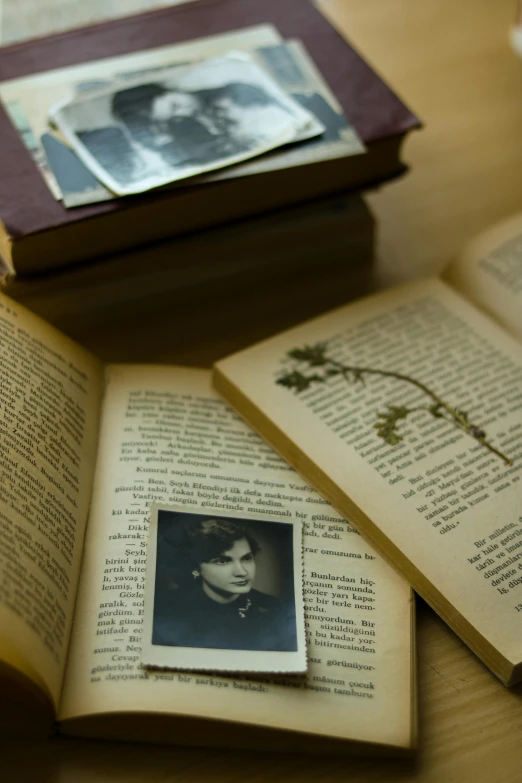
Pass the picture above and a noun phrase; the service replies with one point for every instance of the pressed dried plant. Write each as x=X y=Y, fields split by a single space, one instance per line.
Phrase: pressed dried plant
x=388 y=422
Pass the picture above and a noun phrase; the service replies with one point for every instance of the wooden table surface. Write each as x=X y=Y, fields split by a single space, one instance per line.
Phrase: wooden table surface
x=450 y=60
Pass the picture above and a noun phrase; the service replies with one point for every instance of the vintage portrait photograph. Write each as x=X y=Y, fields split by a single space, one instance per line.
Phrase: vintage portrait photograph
x=223 y=593
x=180 y=122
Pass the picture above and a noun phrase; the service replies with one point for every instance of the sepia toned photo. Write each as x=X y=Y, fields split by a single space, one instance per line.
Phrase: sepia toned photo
x=180 y=122
x=223 y=593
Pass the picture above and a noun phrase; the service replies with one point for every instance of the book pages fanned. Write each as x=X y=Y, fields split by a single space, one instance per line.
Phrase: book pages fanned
x=167 y=438
x=405 y=411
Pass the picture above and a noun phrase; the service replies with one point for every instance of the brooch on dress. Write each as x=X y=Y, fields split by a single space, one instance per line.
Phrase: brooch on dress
x=244 y=609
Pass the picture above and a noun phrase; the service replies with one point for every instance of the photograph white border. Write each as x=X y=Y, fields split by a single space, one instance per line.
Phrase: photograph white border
x=299 y=119
x=219 y=660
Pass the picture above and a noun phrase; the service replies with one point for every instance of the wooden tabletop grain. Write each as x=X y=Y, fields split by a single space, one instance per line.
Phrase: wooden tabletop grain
x=450 y=60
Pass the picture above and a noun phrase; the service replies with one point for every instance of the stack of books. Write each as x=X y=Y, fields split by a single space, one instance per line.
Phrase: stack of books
x=69 y=245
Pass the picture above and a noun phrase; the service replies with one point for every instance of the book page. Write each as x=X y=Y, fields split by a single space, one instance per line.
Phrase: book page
x=50 y=397
x=489 y=273
x=405 y=409
x=167 y=438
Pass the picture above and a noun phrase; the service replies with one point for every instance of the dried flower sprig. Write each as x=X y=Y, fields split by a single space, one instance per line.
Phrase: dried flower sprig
x=387 y=426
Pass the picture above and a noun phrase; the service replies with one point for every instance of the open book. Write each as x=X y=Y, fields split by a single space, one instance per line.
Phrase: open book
x=404 y=410
x=84 y=451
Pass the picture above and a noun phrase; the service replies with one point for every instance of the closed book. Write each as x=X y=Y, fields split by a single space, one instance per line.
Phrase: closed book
x=38 y=233
x=228 y=272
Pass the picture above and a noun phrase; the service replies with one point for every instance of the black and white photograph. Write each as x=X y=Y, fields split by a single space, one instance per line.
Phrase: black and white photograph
x=28 y=99
x=223 y=593
x=180 y=122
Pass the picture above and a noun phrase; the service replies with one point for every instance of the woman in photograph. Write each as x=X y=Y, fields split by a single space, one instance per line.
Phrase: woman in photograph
x=171 y=123
x=211 y=601
x=201 y=126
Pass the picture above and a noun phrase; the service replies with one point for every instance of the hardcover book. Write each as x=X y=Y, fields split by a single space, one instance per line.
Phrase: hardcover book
x=39 y=233
x=404 y=411
x=228 y=272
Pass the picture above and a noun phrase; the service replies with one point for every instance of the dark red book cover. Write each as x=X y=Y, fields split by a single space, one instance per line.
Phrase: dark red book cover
x=26 y=204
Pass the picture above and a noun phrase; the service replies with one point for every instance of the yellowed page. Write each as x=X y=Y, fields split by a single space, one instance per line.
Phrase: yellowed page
x=489 y=273
x=442 y=504
x=50 y=396
x=167 y=437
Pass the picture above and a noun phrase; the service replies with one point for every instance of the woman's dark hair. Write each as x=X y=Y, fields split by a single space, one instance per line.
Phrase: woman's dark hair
x=213 y=536
x=244 y=94
x=190 y=542
x=133 y=107
x=126 y=102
